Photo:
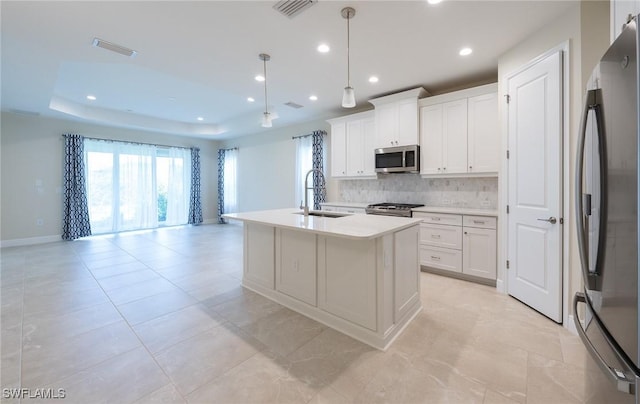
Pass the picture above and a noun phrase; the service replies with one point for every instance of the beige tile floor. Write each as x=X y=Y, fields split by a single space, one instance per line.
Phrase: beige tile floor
x=160 y=317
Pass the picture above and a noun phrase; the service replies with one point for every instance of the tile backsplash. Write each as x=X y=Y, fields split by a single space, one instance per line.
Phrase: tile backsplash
x=480 y=193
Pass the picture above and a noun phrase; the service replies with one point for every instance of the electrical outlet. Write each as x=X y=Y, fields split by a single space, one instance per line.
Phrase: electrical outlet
x=39 y=222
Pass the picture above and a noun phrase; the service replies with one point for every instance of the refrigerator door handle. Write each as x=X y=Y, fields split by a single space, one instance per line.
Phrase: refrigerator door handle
x=590 y=278
x=618 y=377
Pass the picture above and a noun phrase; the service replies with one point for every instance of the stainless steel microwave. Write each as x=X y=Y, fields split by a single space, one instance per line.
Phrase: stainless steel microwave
x=400 y=159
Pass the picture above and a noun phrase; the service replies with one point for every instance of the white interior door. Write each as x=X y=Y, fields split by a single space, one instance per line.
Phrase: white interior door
x=535 y=186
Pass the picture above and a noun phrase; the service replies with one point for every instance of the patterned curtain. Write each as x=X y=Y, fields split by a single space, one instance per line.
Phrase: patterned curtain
x=75 y=217
x=319 y=188
x=221 y=186
x=195 y=202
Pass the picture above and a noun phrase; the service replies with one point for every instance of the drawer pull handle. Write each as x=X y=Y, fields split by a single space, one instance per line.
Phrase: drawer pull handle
x=433 y=257
x=478 y=221
x=435 y=236
x=437 y=219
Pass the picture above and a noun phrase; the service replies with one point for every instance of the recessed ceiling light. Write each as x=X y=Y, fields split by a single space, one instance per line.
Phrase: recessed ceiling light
x=373 y=79
x=434 y=1
x=200 y=118
x=313 y=98
x=250 y=99
x=259 y=77
x=91 y=97
x=465 y=51
x=323 y=48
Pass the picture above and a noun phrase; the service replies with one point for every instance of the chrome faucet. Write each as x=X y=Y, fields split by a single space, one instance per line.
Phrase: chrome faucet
x=306 y=189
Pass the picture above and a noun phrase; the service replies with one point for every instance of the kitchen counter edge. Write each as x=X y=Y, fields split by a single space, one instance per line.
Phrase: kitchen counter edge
x=352 y=226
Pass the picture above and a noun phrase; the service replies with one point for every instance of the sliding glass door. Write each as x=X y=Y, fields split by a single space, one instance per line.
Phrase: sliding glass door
x=136 y=186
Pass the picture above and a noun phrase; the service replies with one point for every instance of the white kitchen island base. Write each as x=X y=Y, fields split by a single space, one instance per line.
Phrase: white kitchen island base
x=366 y=286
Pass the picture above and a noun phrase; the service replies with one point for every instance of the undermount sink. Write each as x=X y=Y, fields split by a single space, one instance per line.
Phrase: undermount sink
x=320 y=213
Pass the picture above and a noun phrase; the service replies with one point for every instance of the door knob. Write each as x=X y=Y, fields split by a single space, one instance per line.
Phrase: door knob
x=551 y=220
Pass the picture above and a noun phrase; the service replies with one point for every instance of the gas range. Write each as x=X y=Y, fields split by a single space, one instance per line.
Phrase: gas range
x=391 y=209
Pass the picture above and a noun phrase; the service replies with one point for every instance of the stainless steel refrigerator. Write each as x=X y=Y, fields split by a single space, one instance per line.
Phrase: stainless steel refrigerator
x=606 y=313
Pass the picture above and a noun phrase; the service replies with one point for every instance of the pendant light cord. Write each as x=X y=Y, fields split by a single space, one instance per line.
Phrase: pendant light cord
x=266 y=108
x=348 y=51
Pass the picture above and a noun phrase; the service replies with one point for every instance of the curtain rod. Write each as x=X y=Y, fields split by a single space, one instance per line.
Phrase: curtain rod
x=233 y=148
x=130 y=142
x=310 y=134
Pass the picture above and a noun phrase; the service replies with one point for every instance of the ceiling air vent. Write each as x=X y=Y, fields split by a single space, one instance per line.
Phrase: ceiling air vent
x=100 y=43
x=293 y=105
x=291 y=8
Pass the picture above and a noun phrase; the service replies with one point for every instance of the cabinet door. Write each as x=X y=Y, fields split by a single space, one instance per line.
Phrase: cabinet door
x=482 y=134
x=259 y=261
x=407 y=122
x=347 y=273
x=407 y=272
x=431 y=139
x=355 y=143
x=479 y=252
x=368 y=157
x=339 y=150
x=386 y=125
x=454 y=137
x=619 y=12
x=296 y=265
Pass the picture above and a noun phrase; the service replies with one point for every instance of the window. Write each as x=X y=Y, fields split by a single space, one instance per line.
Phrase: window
x=136 y=186
x=304 y=163
x=231 y=181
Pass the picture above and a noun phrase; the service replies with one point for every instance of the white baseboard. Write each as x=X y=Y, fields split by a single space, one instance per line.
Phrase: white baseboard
x=570 y=325
x=19 y=242
x=500 y=286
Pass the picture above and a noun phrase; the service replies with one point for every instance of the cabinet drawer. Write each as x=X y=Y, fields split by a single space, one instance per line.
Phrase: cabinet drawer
x=441 y=236
x=483 y=222
x=441 y=258
x=439 y=218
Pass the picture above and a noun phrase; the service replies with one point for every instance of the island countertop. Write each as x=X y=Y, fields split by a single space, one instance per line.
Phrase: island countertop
x=349 y=226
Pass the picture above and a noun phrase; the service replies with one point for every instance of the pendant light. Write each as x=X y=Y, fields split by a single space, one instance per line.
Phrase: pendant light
x=348 y=96
x=266 y=116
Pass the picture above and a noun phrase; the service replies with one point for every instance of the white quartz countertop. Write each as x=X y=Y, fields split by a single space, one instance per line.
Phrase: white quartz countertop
x=457 y=211
x=351 y=226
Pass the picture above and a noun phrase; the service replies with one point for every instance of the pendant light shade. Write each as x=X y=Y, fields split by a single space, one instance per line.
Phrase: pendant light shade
x=266 y=120
x=266 y=116
x=349 y=95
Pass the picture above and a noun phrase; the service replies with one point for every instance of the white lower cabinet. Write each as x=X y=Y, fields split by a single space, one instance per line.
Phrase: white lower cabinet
x=464 y=244
x=259 y=259
x=366 y=288
x=479 y=247
x=295 y=255
x=347 y=281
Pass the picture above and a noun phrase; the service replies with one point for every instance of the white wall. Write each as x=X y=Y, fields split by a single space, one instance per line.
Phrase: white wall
x=586 y=27
x=32 y=150
x=266 y=167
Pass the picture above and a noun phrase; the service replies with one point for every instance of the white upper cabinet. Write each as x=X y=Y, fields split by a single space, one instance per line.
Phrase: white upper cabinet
x=454 y=137
x=352 y=150
x=396 y=118
x=483 y=146
x=619 y=14
x=444 y=138
x=459 y=132
x=339 y=149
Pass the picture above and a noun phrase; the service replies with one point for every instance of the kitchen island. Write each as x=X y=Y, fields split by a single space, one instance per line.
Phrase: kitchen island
x=358 y=274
